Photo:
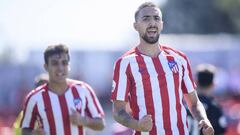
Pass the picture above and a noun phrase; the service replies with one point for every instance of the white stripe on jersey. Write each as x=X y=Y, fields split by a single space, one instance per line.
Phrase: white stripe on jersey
x=186 y=78
x=43 y=114
x=139 y=89
x=70 y=98
x=92 y=99
x=28 y=114
x=171 y=92
x=57 y=112
x=123 y=81
x=156 y=95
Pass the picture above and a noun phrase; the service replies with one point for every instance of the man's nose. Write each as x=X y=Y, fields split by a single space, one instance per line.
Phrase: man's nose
x=60 y=67
x=152 y=22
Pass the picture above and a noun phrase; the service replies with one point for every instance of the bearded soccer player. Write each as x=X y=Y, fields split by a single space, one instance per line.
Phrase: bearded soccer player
x=62 y=106
x=155 y=79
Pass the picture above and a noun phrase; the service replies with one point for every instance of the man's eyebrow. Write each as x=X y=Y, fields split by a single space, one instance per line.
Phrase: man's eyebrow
x=145 y=16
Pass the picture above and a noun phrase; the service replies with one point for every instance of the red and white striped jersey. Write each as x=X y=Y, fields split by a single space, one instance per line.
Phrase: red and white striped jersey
x=53 y=110
x=155 y=86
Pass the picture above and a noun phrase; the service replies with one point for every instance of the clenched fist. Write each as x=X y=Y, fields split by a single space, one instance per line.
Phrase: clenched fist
x=206 y=127
x=145 y=124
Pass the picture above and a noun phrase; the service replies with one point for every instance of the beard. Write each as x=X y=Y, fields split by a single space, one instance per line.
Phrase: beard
x=150 y=40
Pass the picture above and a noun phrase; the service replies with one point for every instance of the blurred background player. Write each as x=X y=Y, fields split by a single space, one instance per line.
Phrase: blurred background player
x=62 y=106
x=205 y=80
x=38 y=81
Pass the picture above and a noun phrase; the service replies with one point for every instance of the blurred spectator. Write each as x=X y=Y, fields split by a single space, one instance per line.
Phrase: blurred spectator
x=205 y=77
x=234 y=83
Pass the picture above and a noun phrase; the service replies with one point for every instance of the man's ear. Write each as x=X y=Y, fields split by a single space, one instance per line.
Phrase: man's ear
x=45 y=67
x=69 y=68
x=161 y=26
x=135 y=26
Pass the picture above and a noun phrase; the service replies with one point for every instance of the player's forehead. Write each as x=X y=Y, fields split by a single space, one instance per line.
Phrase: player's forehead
x=150 y=11
x=58 y=57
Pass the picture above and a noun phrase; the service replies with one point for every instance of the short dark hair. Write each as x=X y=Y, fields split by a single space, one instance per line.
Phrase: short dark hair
x=145 y=4
x=55 y=49
x=205 y=75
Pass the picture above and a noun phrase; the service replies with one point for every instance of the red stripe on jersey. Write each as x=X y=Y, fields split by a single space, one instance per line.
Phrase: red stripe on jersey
x=40 y=122
x=34 y=116
x=178 y=106
x=76 y=95
x=128 y=84
x=184 y=88
x=87 y=111
x=133 y=97
x=94 y=99
x=164 y=94
x=116 y=79
x=190 y=73
x=186 y=59
x=147 y=90
x=65 y=114
x=137 y=133
x=49 y=112
x=116 y=72
x=28 y=98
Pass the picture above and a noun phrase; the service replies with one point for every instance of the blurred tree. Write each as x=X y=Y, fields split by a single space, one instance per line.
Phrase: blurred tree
x=6 y=55
x=232 y=8
x=199 y=16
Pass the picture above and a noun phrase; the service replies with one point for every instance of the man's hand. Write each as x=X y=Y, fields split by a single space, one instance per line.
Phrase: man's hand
x=77 y=119
x=38 y=131
x=145 y=124
x=206 y=127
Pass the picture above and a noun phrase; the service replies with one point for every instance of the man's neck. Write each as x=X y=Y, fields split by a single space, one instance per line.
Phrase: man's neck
x=151 y=50
x=58 y=87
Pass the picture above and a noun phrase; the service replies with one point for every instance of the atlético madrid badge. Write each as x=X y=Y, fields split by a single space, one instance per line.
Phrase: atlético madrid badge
x=173 y=66
x=78 y=103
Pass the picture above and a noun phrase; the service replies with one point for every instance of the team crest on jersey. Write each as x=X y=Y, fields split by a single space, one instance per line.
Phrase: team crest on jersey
x=78 y=103
x=173 y=66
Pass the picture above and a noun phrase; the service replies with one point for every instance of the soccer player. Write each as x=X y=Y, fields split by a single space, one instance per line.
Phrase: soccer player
x=154 y=79
x=62 y=106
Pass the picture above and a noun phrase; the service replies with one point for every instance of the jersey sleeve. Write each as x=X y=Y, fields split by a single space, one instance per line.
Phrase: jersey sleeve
x=29 y=113
x=121 y=81
x=93 y=107
x=188 y=84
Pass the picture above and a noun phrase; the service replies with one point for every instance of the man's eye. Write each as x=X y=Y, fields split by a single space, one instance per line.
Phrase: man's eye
x=65 y=62
x=157 y=18
x=145 y=19
x=54 y=63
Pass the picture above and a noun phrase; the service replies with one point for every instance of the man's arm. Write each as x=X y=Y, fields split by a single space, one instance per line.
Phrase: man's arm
x=124 y=118
x=93 y=123
x=197 y=110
